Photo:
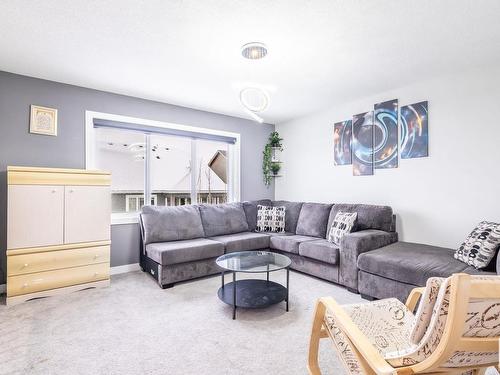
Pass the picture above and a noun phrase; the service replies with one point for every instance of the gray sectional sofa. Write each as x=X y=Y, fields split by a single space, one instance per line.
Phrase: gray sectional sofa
x=394 y=270
x=182 y=243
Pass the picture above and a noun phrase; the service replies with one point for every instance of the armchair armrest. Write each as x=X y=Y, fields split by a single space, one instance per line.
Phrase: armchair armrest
x=361 y=345
x=413 y=298
x=356 y=243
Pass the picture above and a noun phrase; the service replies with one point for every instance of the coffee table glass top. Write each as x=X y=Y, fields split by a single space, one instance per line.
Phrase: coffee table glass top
x=253 y=261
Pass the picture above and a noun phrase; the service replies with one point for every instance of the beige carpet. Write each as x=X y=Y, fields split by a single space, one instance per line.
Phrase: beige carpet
x=134 y=327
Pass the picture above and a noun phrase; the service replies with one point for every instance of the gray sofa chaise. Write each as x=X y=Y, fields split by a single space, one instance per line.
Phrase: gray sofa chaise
x=394 y=270
x=182 y=243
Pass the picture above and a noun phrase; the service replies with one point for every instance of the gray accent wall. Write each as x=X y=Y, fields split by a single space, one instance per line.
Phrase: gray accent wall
x=67 y=150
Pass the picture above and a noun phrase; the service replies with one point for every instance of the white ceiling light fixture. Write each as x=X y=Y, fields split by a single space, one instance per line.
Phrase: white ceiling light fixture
x=254 y=100
x=254 y=51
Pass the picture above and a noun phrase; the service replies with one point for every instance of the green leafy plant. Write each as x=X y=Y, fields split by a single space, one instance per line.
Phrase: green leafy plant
x=266 y=164
x=275 y=168
x=269 y=167
x=275 y=140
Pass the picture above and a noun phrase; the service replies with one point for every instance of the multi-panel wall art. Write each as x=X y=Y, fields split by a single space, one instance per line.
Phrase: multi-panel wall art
x=362 y=144
x=414 y=131
x=370 y=140
x=385 y=135
x=342 y=136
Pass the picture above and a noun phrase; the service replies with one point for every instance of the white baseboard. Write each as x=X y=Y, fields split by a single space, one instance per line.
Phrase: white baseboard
x=113 y=271
x=124 y=269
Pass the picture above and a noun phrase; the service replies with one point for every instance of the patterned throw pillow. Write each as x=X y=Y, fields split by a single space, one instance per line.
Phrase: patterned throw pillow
x=480 y=246
x=270 y=219
x=343 y=223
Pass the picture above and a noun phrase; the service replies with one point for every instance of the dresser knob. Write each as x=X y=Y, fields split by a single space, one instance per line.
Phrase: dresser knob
x=26 y=265
x=71 y=191
x=96 y=256
x=54 y=191
x=96 y=273
x=25 y=285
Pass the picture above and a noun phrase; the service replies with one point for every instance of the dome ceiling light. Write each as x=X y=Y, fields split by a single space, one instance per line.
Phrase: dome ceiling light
x=254 y=51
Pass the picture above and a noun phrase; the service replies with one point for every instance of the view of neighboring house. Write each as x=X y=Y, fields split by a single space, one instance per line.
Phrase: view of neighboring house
x=172 y=182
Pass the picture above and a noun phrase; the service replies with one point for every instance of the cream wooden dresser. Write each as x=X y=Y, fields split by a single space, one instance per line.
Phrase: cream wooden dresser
x=58 y=231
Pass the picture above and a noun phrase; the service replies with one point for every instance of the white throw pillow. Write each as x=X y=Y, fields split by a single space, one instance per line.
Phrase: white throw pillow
x=270 y=219
x=480 y=246
x=343 y=223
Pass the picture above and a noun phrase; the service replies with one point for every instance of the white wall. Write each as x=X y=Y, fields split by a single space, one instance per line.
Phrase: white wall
x=439 y=199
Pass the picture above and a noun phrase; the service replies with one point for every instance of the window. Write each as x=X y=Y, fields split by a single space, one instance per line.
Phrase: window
x=135 y=202
x=164 y=164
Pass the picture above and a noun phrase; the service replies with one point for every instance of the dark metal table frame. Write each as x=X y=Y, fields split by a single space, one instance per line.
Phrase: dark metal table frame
x=267 y=279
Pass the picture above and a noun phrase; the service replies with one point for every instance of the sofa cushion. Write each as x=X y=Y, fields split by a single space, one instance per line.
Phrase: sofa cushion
x=174 y=252
x=289 y=244
x=171 y=223
x=313 y=219
x=369 y=216
x=321 y=250
x=243 y=241
x=411 y=263
x=292 y=212
x=250 y=208
x=219 y=219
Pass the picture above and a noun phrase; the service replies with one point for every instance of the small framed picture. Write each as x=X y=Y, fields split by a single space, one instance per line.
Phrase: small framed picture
x=43 y=120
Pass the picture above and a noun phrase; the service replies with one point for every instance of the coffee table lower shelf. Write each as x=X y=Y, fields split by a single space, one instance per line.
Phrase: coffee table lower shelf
x=253 y=293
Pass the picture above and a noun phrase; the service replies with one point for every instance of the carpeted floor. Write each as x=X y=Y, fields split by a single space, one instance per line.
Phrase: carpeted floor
x=134 y=327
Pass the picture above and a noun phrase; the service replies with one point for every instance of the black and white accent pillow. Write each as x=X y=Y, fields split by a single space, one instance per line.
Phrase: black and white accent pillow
x=480 y=246
x=270 y=219
x=343 y=223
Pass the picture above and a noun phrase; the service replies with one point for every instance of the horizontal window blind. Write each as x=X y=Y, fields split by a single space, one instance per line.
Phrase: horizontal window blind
x=101 y=123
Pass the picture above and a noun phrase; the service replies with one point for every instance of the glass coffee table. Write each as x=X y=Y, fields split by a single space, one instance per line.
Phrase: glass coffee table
x=253 y=293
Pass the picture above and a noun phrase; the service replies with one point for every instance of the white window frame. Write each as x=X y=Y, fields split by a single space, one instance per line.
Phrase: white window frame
x=137 y=198
x=234 y=156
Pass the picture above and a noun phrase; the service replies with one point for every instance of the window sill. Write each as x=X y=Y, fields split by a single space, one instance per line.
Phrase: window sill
x=124 y=218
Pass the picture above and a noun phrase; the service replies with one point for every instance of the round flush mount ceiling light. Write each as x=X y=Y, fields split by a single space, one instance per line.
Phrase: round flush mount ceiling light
x=254 y=50
x=254 y=99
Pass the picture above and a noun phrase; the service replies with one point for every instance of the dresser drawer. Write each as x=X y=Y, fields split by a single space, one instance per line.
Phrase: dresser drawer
x=53 y=260
x=36 y=282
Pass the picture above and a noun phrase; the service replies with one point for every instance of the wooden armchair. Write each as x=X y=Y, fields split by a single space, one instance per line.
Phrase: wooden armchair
x=455 y=330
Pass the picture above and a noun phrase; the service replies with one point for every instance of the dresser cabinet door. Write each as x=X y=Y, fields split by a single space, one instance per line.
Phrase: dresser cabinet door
x=87 y=213
x=35 y=216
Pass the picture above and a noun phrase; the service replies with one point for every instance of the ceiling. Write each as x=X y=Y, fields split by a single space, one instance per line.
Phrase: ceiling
x=188 y=52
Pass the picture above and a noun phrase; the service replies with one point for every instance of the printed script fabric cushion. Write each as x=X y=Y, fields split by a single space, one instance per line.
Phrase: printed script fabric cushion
x=270 y=219
x=342 y=224
x=425 y=308
x=480 y=246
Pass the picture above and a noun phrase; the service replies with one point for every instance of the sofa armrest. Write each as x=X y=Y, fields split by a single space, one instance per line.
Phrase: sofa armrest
x=356 y=243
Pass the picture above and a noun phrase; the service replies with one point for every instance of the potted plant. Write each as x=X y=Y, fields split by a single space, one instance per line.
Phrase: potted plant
x=275 y=168
x=270 y=158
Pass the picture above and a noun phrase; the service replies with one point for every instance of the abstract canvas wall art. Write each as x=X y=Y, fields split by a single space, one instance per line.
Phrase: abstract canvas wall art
x=385 y=135
x=342 y=135
x=414 y=131
x=362 y=144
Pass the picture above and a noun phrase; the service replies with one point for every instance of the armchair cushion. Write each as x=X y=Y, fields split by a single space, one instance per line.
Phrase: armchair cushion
x=219 y=219
x=354 y=244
